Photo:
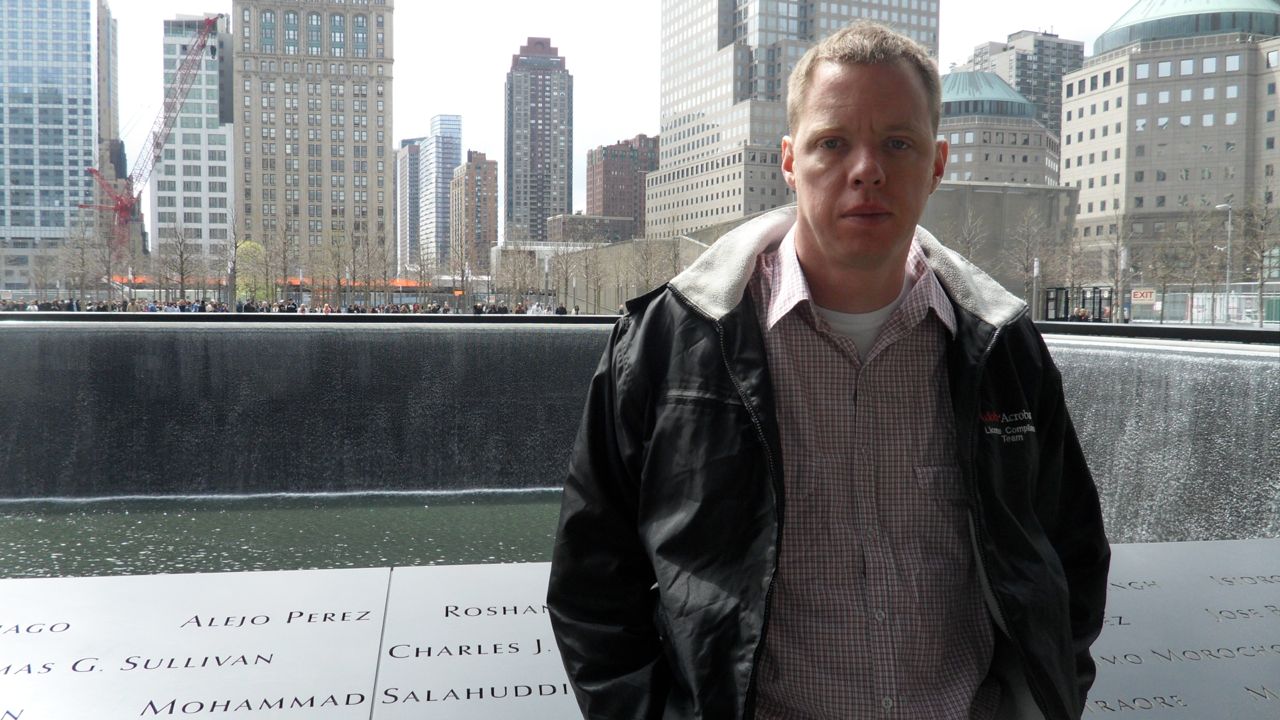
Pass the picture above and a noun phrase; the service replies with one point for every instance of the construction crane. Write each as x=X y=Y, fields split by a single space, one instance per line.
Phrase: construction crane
x=124 y=206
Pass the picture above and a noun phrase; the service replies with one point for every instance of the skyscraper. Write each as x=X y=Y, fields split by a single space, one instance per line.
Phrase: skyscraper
x=539 y=141
x=50 y=128
x=1033 y=63
x=408 y=217
x=315 y=151
x=111 y=159
x=615 y=180
x=440 y=152
x=724 y=77
x=193 y=183
x=473 y=198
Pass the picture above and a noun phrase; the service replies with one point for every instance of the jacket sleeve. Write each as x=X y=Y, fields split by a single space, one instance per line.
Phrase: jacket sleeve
x=602 y=595
x=1076 y=530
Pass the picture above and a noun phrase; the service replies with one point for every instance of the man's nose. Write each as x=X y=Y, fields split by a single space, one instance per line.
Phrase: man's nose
x=864 y=167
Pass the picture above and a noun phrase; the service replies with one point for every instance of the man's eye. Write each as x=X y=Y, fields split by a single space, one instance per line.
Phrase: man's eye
x=829 y=144
x=899 y=144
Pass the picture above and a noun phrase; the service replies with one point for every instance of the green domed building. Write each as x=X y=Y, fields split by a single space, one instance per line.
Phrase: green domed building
x=994 y=133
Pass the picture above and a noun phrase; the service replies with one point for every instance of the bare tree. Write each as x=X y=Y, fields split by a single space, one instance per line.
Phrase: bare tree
x=460 y=262
x=518 y=272
x=1066 y=262
x=76 y=256
x=179 y=259
x=1259 y=241
x=43 y=269
x=646 y=262
x=231 y=258
x=561 y=270
x=1022 y=248
x=1163 y=265
x=426 y=272
x=1195 y=238
x=592 y=267
x=1118 y=248
x=339 y=267
x=966 y=235
x=279 y=248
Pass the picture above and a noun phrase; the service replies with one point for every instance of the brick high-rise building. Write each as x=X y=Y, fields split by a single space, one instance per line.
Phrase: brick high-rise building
x=723 y=111
x=615 y=180
x=473 y=200
x=314 y=149
x=539 y=141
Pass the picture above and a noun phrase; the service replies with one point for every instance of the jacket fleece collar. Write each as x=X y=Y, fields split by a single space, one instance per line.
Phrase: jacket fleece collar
x=715 y=282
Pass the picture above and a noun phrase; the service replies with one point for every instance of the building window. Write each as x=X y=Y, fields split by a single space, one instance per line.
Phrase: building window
x=1187 y=67
x=1142 y=71
x=1230 y=118
x=1119 y=75
x=1233 y=92
x=1207 y=94
x=1164 y=69
x=1209 y=65
x=1139 y=176
x=1185 y=95
x=1207 y=120
x=1141 y=99
x=1233 y=63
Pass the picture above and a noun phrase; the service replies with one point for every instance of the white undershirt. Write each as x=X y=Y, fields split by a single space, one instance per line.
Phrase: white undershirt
x=863 y=328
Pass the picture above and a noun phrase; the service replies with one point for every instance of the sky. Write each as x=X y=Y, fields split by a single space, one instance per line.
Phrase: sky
x=452 y=58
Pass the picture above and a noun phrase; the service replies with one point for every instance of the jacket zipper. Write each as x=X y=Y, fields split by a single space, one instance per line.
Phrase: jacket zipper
x=981 y=531
x=748 y=710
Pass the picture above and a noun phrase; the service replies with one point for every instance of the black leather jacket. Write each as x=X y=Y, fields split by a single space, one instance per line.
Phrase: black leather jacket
x=672 y=510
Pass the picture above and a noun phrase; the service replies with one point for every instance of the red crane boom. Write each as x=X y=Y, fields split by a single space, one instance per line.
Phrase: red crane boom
x=124 y=206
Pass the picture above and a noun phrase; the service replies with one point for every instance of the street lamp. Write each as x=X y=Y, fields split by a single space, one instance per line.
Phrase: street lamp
x=1227 y=207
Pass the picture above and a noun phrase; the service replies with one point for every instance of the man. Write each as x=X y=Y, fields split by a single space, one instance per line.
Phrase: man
x=827 y=471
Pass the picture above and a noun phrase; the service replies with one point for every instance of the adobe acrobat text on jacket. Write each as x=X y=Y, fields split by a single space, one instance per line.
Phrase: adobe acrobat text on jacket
x=672 y=508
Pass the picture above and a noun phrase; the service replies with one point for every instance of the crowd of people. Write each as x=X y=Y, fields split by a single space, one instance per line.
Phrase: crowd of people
x=279 y=306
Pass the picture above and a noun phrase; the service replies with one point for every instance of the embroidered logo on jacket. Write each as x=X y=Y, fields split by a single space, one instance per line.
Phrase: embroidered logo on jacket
x=1011 y=427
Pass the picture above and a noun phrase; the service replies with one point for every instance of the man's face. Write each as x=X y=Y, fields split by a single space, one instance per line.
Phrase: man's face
x=863 y=162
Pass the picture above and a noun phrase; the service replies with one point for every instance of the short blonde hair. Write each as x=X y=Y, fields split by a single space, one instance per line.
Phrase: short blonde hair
x=864 y=43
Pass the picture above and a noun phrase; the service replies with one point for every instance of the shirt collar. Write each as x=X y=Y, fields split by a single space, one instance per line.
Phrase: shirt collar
x=788 y=287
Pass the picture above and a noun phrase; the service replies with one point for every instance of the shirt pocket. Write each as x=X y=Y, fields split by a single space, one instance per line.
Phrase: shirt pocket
x=940 y=482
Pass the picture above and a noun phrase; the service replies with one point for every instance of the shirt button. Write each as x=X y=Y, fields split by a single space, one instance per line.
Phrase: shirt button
x=879 y=616
x=872 y=535
x=888 y=703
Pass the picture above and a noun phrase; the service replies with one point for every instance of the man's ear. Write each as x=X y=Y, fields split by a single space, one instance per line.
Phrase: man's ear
x=788 y=161
x=940 y=155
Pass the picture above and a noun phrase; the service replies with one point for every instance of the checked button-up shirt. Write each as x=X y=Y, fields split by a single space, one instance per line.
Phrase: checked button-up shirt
x=877 y=611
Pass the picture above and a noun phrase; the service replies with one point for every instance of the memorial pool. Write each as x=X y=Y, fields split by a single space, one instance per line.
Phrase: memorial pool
x=139 y=536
